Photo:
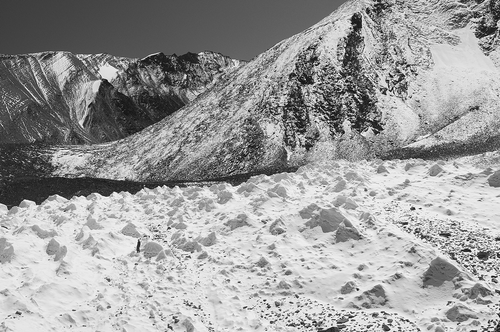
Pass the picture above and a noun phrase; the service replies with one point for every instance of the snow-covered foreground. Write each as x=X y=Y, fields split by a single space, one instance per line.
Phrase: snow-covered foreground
x=368 y=246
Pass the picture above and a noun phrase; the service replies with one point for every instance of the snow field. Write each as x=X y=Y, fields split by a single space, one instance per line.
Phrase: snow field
x=332 y=245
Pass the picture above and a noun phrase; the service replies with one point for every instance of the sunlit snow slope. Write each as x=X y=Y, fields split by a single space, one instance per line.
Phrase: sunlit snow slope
x=369 y=246
x=386 y=77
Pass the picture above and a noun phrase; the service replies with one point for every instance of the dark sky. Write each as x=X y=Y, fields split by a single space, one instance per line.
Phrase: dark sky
x=241 y=29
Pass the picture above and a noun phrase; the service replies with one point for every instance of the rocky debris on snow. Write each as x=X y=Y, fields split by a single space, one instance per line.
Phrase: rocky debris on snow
x=299 y=313
x=468 y=243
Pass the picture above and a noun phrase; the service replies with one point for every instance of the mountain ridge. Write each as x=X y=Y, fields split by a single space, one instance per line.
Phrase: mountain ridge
x=371 y=78
x=61 y=97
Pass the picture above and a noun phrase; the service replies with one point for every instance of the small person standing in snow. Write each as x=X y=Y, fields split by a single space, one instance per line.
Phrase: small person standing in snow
x=138 y=248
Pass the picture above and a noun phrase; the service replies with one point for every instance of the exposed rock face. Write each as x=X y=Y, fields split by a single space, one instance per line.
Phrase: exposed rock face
x=375 y=78
x=60 y=97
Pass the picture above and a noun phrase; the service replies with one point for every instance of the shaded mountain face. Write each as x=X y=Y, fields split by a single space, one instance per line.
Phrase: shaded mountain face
x=375 y=78
x=60 y=97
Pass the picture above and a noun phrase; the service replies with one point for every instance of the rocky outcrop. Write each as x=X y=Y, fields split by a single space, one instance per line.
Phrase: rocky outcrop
x=60 y=97
x=379 y=78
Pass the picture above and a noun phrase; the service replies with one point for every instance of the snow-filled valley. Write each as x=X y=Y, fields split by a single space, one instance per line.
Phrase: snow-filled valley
x=341 y=246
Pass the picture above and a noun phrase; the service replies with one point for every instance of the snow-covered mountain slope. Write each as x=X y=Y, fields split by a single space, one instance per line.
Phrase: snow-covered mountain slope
x=373 y=77
x=60 y=97
x=347 y=246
